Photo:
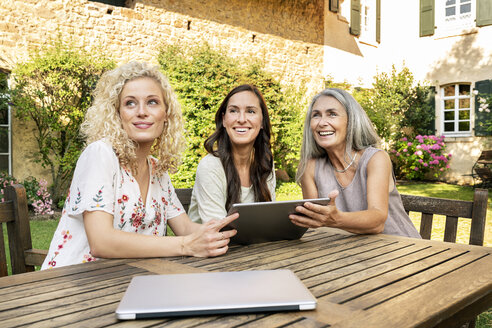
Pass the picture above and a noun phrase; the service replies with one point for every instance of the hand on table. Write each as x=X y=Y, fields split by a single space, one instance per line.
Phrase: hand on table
x=209 y=240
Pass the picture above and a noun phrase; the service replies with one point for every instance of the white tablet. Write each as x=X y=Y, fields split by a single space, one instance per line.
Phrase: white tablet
x=268 y=221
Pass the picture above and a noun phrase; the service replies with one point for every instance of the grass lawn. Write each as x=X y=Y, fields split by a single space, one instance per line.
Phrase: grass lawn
x=42 y=231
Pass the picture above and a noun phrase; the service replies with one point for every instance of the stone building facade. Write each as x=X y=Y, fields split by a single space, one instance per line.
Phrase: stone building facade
x=287 y=36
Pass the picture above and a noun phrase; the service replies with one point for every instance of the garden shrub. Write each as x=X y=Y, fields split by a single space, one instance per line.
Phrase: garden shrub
x=397 y=105
x=202 y=77
x=423 y=157
x=38 y=198
x=53 y=90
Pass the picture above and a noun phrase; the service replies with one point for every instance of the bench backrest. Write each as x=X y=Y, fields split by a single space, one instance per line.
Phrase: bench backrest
x=184 y=196
x=475 y=210
x=15 y=215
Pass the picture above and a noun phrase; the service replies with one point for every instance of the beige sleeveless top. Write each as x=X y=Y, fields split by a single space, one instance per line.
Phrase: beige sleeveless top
x=353 y=197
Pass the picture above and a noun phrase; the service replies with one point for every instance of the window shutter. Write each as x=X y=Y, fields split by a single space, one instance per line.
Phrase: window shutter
x=426 y=17
x=334 y=6
x=483 y=118
x=431 y=101
x=484 y=12
x=355 y=17
x=378 y=20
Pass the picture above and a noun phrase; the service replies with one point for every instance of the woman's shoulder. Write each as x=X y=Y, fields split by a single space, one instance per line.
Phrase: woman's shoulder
x=101 y=145
x=210 y=161
x=100 y=150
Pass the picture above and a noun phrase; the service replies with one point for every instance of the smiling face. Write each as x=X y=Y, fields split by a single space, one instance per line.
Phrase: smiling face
x=329 y=123
x=142 y=110
x=243 y=118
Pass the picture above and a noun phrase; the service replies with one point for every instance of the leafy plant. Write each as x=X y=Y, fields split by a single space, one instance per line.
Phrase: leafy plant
x=38 y=197
x=6 y=180
x=484 y=109
x=397 y=105
x=53 y=90
x=420 y=158
x=202 y=77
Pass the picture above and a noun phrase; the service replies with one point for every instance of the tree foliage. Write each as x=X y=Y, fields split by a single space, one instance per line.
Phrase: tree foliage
x=202 y=77
x=53 y=90
x=397 y=105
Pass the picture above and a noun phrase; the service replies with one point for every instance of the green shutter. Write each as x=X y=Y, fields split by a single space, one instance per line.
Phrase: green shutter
x=483 y=119
x=426 y=17
x=355 y=17
x=484 y=12
x=378 y=20
x=431 y=101
x=334 y=5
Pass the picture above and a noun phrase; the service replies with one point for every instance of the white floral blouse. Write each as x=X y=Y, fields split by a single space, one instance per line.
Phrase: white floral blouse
x=101 y=184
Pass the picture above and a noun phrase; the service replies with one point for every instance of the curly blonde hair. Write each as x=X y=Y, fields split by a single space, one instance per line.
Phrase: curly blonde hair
x=102 y=120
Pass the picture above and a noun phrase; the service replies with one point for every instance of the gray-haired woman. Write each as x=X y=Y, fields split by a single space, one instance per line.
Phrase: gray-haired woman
x=339 y=159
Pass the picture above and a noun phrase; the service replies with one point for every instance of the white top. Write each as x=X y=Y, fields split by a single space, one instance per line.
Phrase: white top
x=209 y=195
x=100 y=184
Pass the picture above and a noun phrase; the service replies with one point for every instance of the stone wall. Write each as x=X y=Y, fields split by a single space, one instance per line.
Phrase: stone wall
x=286 y=35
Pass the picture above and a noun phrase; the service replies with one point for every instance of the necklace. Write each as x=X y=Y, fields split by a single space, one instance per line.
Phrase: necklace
x=348 y=166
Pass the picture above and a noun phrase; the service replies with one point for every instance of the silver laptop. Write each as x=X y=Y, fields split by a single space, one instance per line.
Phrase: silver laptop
x=193 y=294
x=267 y=221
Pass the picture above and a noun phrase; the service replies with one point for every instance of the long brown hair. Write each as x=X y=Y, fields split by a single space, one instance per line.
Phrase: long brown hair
x=262 y=158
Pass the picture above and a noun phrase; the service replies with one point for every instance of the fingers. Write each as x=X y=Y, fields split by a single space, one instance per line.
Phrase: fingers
x=228 y=219
x=333 y=194
x=304 y=221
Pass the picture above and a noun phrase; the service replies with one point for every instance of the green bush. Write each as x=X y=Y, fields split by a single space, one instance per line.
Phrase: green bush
x=38 y=198
x=202 y=77
x=397 y=105
x=421 y=158
x=53 y=90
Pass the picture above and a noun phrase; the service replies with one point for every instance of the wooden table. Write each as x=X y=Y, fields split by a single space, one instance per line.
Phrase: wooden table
x=359 y=281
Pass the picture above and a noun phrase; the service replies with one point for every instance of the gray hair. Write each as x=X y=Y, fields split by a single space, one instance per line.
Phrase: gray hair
x=360 y=131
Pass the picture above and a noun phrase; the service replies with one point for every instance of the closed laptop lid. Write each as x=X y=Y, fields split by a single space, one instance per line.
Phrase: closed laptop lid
x=214 y=293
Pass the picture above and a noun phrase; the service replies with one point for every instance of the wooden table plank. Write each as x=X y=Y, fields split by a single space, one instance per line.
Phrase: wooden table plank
x=396 y=284
x=300 y=257
x=369 y=265
x=79 y=279
x=443 y=298
x=374 y=283
x=20 y=279
x=271 y=257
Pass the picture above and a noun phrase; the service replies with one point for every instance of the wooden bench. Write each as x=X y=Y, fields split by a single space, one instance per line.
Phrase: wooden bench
x=14 y=213
x=475 y=210
x=184 y=196
x=482 y=169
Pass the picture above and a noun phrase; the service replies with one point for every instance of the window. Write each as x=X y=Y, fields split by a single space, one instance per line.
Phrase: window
x=368 y=20
x=456 y=110
x=455 y=15
x=4 y=125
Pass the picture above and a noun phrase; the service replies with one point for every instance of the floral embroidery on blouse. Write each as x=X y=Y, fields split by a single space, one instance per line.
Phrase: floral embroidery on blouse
x=122 y=201
x=158 y=217
x=98 y=199
x=169 y=194
x=77 y=201
x=88 y=258
x=138 y=215
x=66 y=237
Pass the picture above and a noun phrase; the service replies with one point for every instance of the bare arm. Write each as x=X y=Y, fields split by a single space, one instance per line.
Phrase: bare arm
x=369 y=221
x=198 y=240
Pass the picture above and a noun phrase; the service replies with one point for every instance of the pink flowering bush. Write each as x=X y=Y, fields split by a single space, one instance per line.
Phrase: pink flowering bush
x=38 y=197
x=420 y=158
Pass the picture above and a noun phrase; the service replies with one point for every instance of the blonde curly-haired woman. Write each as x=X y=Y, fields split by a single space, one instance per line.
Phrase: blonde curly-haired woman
x=121 y=197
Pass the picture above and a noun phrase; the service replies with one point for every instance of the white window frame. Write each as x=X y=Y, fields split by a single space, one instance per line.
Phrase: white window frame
x=9 y=134
x=368 y=21
x=456 y=97
x=458 y=23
